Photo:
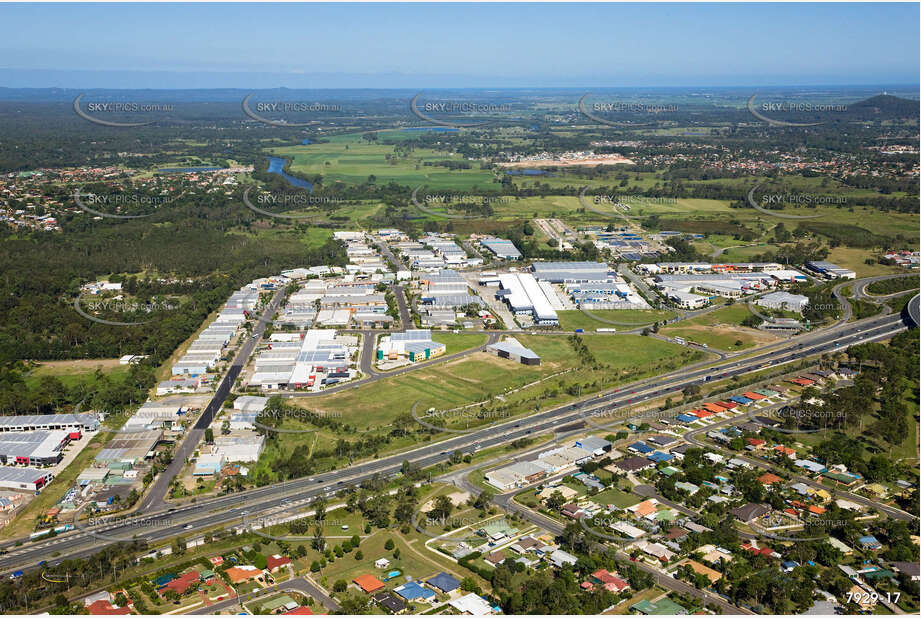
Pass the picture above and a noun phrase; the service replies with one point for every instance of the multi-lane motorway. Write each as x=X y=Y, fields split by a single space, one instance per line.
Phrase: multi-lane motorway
x=230 y=510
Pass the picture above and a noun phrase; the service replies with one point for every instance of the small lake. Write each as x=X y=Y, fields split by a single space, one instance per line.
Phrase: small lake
x=528 y=173
x=277 y=166
x=306 y=141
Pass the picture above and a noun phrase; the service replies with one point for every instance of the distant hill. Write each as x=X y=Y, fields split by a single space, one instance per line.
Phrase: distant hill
x=885 y=106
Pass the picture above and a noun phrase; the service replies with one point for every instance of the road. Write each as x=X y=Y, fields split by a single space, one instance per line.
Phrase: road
x=226 y=511
x=156 y=496
x=298 y=584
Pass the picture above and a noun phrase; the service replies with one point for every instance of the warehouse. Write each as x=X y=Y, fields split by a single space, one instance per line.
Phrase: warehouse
x=32 y=422
x=29 y=479
x=501 y=248
x=524 y=295
x=572 y=272
x=830 y=271
x=242 y=448
x=33 y=448
x=511 y=349
x=783 y=301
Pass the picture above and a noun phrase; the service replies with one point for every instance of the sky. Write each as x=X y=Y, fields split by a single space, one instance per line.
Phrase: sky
x=457 y=45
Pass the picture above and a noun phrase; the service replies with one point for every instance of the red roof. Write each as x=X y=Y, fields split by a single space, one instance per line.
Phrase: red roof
x=183 y=582
x=769 y=479
x=302 y=610
x=273 y=562
x=753 y=396
x=368 y=583
x=104 y=608
x=755 y=441
x=712 y=407
x=729 y=405
x=701 y=413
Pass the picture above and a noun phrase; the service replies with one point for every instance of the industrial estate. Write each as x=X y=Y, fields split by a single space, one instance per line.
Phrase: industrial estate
x=552 y=352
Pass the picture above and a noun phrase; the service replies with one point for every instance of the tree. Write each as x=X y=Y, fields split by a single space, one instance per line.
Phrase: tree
x=388 y=545
x=340 y=585
x=209 y=435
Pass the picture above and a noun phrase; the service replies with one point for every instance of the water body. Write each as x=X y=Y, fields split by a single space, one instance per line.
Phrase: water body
x=528 y=173
x=277 y=166
x=306 y=141
x=435 y=129
x=190 y=170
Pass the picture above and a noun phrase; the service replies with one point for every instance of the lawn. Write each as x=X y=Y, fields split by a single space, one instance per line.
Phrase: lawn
x=458 y=342
x=350 y=160
x=74 y=372
x=626 y=319
x=720 y=329
x=618 y=498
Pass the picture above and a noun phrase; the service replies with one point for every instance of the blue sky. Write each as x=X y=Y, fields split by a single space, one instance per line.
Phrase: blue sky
x=461 y=45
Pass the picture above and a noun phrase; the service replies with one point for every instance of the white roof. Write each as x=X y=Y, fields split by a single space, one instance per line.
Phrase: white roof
x=471 y=604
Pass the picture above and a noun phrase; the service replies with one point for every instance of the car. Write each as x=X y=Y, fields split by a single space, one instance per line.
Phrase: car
x=187 y=527
x=256 y=336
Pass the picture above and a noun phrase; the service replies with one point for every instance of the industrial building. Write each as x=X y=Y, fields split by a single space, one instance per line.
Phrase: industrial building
x=33 y=448
x=572 y=272
x=65 y=422
x=501 y=248
x=241 y=448
x=513 y=350
x=524 y=296
x=302 y=360
x=830 y=271
x=783 y=301
x=415 y=345
x=28 y=479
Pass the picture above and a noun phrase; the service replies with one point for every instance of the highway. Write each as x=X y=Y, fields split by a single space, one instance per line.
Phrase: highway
x=229 y=510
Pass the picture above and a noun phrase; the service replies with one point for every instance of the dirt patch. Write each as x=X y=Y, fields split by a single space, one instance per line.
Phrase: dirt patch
x=63 y=367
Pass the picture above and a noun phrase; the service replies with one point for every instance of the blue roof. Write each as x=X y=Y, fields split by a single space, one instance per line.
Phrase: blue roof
x=740 y=399
x=413 y=590
x=642 y=447
x=868 y=539
x=686 y=418
x=444 y=582
x=660 y=456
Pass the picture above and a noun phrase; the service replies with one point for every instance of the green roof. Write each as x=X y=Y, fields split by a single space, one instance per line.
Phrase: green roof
x=669 y=470
x=837 y=476
x=766 y=392
x=499 y=526
x=665 y=515
x=277 y=602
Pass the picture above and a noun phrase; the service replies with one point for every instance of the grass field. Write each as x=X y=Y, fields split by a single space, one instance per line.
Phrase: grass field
x=458 y=342
x=74 y=372
x=351 y=160
x=627 y=318
x=720 y=329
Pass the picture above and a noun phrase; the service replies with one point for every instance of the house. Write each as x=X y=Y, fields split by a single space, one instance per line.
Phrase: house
x=656 y=550
x=567 y=492
x=181 y=584
x=496 y=558
x=869 y=542
x=390 y=602
x=381 y=563
x=472 y=604
x=443 y=583
x=640 y=448
x=610 y=581
x=767 y=479
x=412 y=591
x=103 y=607
x=627 y=530
x=239 y=574
x=750 y=512
x=711 y=574
x=368 y=583
x=911 y=569
x=571 y=510
x=632 y=464
x=275 y=562
x=559 y=558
